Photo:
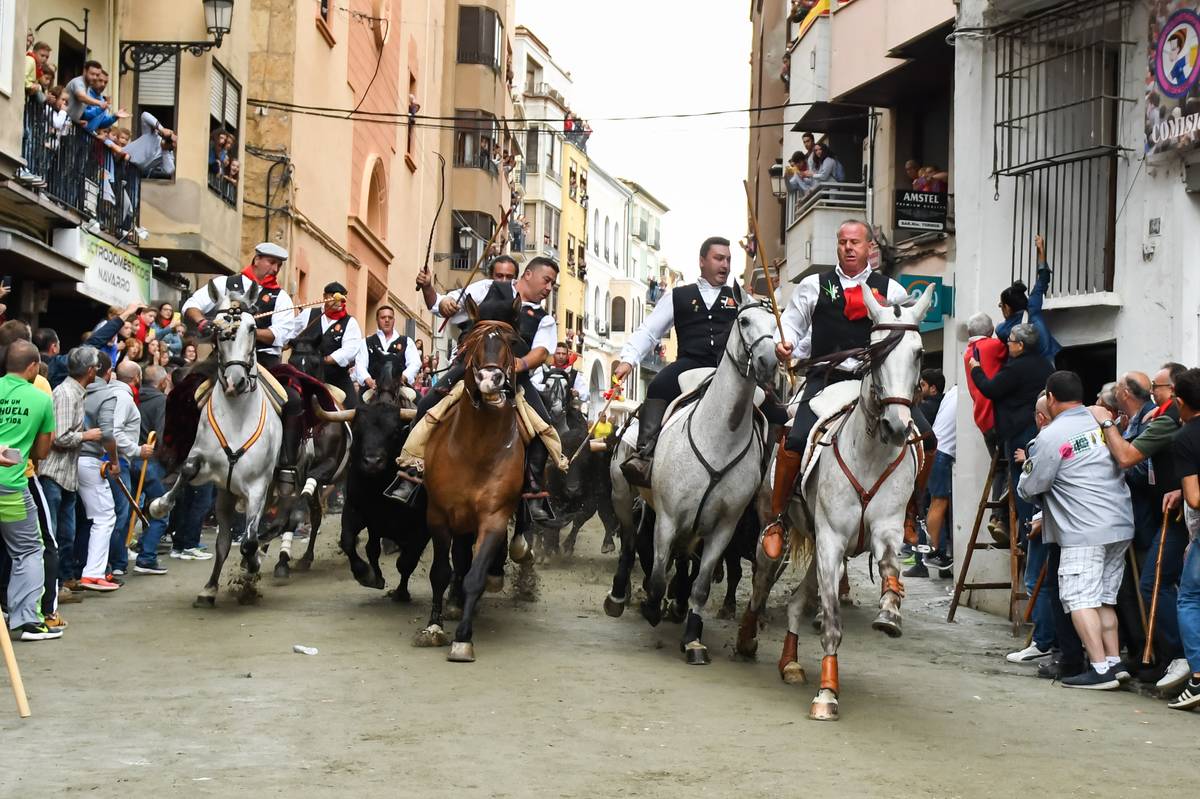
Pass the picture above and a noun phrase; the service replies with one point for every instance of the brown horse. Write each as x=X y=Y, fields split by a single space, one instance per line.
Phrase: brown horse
x=474 y=464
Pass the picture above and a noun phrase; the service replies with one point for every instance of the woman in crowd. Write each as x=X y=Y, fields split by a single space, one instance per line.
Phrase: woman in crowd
x=1018 y=305
x=189 y=353
x=166 y=329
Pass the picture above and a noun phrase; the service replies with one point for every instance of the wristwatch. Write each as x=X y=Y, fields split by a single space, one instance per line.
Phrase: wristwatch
x=1107 y=423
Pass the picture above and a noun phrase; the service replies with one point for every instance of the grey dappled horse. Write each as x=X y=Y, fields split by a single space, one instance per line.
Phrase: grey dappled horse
x=237 y=443
x=708 y=465
x=856 y=504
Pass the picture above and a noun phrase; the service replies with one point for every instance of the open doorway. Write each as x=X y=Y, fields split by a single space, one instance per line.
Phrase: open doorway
x=71 y=55
x=1096 y=364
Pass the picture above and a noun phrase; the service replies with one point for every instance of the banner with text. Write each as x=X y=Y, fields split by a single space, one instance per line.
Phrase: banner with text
x=1172 y=90
x=111 y=275
x=920 y=210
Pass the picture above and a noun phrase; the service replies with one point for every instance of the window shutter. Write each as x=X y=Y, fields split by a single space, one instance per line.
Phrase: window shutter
x=216 y=96
x=233 y=101
x=157 y=87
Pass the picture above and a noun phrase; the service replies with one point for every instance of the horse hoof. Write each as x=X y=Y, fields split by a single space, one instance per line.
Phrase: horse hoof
x=613 y=607
x=494 y=583
x=676 y=613
x=205 y=601
x=452 y=613
x=433 y=635
x=282 y=572
x=696 y=654
x=823 y=711
x=747 y=647
x=519 y=549
x=652 y=612
x=607 y=547
x=304 y=564
x=889 y=623
x=399 y=595
x=461 y=652
x=792 y=674
x=727 y=612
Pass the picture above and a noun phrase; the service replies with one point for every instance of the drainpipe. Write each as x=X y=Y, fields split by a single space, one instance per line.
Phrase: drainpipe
x=871 y=172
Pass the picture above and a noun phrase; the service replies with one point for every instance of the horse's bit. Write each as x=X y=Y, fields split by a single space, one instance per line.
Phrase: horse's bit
x=228 y=332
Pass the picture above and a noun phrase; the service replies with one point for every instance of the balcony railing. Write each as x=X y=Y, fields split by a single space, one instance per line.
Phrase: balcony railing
x=553 y=175
x=224 y=188
x=479 y=160
x=487 y=59
x=75 y=169
x=460 y=261
x=841 y=196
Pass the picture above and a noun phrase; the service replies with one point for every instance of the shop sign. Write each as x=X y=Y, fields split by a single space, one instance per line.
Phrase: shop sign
x=1172 y=90
x=921 y=210
x=943 y=298
x=111 y=275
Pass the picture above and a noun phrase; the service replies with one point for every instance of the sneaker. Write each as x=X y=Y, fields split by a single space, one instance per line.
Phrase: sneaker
x=179 y=554
x=68 y=597
x=33 y=631
x=115 y=577
x=1177 y=674
x=1093 y=680
x=149 y=568
x=116 y=573
x=197 y=553
x=98 y=584
x=918 y=570
x=55 y=621
x=1123 y=671
x=1027 y=655
x=1190 y=697
x=939 y=561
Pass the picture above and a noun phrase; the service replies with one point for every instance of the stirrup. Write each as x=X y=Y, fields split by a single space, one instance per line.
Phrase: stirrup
x=286 y=474
x=779 y=522
x=404 y=488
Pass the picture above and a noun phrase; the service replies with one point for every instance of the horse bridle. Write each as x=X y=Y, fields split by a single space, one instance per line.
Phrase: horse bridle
x=874 y=355
x=233 y=314
x=748 y=347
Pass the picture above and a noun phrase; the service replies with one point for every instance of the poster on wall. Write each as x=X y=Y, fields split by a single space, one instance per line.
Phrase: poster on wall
x=1172 y=88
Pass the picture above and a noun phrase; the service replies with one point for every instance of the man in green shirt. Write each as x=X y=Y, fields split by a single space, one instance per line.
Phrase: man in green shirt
x=27 y=426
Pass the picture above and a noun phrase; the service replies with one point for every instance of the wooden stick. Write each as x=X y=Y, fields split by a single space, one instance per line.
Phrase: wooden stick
x=1136 y=590
x=104 y=469
x=479 y=263
x=14 y=676
x=762 y=260
x=264 y=314
x=1033 y=595
x=592 y=429
x=138 y=496
x=1162 y=542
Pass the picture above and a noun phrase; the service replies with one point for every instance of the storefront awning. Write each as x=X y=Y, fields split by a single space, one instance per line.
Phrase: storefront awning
x=833 y=118
x=31 y=258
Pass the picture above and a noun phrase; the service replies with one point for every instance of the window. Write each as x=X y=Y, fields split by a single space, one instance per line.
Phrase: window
x=411 y=137
x=480 y=37
x=324 y=10
x=475 y=136
x=572 y=182
x=532 y=137
x=482 y=224
x=616 y=254
x=571 y=255
x=551 y=146
x=618 y=314
x=550 y=233
x=377 y=202
x=607 y=305
x=157 y=91
x=607 y=238
x=224 y=116
x=596 y=232
x=531 y=230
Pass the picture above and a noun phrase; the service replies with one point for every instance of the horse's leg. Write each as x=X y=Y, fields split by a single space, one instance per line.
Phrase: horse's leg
x=439 y=578
x=885 y=544
x=608 y=518
x=656 y=584
x=315 y=517
x=207 y=597
x=491 y=545
x=256 y=496
x=686 y=567
x=460 y=554
x=580 y=519
x=733 y=576
x=645 y=545
x=830 y=551
x=161 y=507
x=619 y=596
x=790 y=670
x=693 y=628
x=411 y=550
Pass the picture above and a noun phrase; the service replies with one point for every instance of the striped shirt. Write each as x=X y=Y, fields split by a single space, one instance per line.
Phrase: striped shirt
x=62 y=464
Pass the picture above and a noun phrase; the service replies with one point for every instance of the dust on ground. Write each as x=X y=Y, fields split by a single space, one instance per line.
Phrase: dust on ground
x=146 y=696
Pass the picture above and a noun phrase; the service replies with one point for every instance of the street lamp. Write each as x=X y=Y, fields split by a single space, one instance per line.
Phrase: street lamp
x=466 y=237
x=778 y=186
x=142 y=56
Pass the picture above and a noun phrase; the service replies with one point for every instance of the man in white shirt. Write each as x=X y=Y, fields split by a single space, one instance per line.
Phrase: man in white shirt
x=941 y=480
x=560 y=363
x=502 y=269
x=385 y=346
x=337 y=337
x=826 y=314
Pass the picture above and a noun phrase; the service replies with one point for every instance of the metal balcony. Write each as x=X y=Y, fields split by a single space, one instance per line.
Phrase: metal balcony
x=837 y=196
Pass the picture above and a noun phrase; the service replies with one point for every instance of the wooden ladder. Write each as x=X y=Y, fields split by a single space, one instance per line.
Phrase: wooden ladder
x=1015 y=585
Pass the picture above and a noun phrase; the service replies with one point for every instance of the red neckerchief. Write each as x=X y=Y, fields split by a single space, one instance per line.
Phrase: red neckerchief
x=268 y=282
x=335 y=316
x=855 y=307
x=1161 y=409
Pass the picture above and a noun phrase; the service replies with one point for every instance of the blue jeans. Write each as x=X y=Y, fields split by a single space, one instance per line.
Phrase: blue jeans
x=1043 y=609
x=60 y=506
x=1025 y=510
x=1187 y=605
x=1167 y=645
x=118 y=553
x=193 y=506
x=152 y=489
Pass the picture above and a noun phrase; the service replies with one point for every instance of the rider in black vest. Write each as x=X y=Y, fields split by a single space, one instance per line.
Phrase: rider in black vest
x=538 y=332
x=380 y=350
x=826 y=315
x=701 y=313
x=337 y=338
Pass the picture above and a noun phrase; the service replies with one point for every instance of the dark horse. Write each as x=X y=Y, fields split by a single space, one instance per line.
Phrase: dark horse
x=380 y=429
x=586 y=488
x=474 y=468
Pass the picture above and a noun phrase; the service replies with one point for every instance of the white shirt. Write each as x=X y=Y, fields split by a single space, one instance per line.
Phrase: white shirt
x=539 y=376
x=412 y=358
x=546 y=336
x=944 y=425
x=797 y=317
x=285 y=324
x=127 y=420
x=660 y=320
x=352 y=337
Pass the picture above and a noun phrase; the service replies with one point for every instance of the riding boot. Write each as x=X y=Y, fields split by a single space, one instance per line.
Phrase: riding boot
x=536 y=497
x=787 y=468
x=289 y=451
x=405 y=487
x=637 y=468
x=910 y=513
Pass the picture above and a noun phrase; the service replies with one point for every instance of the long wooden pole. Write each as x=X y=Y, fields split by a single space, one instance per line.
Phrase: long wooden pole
x=14 y=675
x=762 y=260
x=302 y=305
x=612 y=394
x=1141 y=603
x=137 y=497
x=1162 y=542
x=479 y=263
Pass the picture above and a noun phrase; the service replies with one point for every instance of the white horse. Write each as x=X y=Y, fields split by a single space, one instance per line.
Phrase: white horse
x=237 y=444
x=856 y=495
x=708 y=465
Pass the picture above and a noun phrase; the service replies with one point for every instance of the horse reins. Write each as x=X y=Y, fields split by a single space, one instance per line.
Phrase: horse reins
x=234 y=315
x=231 y=454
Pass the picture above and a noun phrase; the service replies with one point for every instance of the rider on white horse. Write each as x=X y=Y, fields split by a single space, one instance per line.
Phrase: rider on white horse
x=274 y=331
x=826 y=315
x=701 y=313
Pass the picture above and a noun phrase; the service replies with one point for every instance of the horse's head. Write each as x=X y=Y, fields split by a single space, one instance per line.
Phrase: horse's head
x=235 y=342
x=555 y=395
x=307 y=358
x=487 y=351
x=752 y=342
x=895 y=363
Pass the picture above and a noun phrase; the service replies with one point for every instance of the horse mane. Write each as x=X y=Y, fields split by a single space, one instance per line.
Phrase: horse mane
x=472 y=344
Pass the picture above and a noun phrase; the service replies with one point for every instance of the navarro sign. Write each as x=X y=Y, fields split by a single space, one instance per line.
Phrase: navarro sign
x=111 y=275
x=1172 y=92
x=920 y=210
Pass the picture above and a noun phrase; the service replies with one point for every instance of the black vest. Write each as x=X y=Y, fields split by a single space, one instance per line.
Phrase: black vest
x=831 y=330
x=378 y=355
x=497 y=306
x=330 y=340
x=702 y=331
x=239 y=284
x=527 y=327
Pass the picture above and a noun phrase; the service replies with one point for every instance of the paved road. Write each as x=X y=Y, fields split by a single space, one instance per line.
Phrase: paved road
x=146 y=695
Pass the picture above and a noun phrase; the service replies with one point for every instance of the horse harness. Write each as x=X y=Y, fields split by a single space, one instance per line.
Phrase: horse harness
x=233 y=315
x=232 y=455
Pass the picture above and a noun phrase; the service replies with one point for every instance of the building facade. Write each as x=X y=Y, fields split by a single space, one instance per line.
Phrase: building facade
x=608 y=274
x=644 y=229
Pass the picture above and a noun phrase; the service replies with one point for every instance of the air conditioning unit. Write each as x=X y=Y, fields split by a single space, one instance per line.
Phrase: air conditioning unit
x=602 y=328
